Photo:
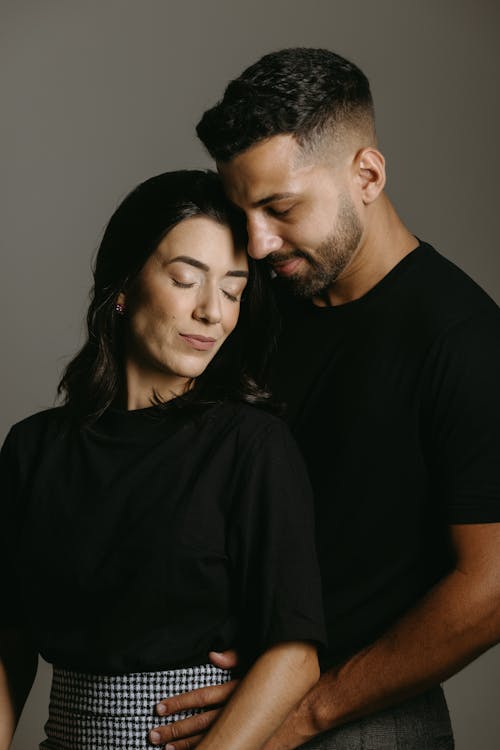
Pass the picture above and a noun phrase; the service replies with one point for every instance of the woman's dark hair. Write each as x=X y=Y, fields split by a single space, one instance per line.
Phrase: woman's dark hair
x=302 y=91
x=94 y=379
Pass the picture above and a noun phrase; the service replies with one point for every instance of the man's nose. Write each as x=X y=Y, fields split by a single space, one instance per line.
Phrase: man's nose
x=262 y=240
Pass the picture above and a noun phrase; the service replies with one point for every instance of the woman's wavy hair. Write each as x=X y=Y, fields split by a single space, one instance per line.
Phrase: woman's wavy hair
x=94 y=379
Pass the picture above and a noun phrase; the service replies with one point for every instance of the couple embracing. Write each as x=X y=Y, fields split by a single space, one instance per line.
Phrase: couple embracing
x=267 y=513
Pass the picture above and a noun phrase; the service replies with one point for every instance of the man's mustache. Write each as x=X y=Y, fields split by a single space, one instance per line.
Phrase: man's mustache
x=276 y=258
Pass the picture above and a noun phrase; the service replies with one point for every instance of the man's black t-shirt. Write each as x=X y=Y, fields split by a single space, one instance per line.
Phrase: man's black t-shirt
x=147 y=541
x=394 y=400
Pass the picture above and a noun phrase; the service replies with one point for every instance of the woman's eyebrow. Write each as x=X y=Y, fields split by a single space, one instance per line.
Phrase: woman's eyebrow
x=203 y=266
x=189 y=261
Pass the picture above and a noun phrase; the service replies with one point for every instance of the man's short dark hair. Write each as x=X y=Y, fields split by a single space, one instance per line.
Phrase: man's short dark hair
x=302 y=91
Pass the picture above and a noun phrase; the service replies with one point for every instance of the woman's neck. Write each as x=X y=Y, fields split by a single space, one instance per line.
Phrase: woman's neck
x=142 y=385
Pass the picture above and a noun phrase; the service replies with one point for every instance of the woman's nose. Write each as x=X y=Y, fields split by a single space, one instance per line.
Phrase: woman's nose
x=208 y=307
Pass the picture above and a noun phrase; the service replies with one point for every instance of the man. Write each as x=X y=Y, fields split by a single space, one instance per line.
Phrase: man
x=389 y=362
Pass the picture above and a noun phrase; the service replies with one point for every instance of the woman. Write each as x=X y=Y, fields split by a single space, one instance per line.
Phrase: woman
x=158 y=515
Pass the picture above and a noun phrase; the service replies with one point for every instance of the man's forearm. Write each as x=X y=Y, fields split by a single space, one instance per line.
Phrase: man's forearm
x=455 y=622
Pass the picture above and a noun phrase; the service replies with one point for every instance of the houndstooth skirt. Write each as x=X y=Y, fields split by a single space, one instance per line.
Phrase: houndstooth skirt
x=108 y=712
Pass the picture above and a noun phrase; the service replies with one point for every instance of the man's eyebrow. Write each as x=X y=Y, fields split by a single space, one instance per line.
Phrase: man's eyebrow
x=273 y=197
x=203 y=266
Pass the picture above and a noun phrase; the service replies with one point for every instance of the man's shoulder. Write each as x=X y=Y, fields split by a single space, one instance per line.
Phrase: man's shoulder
x=442 y=287
x=431 y=296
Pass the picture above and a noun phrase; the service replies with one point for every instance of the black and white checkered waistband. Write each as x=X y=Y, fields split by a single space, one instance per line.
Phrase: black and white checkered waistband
x=104 y=712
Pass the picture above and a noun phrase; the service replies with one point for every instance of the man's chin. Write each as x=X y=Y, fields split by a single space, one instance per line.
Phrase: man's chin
x=304 y=288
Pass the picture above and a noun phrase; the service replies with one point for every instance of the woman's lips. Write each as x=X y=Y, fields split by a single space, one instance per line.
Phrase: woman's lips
x=288 y=267
x=201 y=343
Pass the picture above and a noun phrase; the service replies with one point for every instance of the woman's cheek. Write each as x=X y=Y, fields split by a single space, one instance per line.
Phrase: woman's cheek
x=234 y=317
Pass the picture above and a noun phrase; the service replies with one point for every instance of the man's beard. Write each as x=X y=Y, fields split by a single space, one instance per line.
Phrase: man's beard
x=330 y=258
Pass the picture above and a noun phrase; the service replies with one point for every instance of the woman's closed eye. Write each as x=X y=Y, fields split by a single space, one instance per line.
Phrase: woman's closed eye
x=233 y=296
x=233 y=289
x=230 y=296
x=183 y=284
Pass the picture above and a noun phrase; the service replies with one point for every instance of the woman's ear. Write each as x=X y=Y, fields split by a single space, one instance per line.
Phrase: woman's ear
x=120 y=304
x=369 y=166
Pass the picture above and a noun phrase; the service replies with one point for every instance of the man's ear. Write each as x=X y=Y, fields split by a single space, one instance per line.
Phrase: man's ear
x=369 y=173
x=120 y=300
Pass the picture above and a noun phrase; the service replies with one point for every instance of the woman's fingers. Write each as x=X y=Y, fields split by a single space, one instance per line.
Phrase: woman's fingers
x=185 y=730
x=212 y=695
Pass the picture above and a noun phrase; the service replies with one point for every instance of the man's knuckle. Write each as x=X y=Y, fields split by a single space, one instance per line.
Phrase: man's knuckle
x=205 y=720
x=211 y=695
x=174 y=731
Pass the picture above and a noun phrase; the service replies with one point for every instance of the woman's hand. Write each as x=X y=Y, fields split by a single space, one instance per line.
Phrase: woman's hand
x=187 y=733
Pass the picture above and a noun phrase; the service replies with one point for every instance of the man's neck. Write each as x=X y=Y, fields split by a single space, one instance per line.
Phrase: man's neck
x=386 y=243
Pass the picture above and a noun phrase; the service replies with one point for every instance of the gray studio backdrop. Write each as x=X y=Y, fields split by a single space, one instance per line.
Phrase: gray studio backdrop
x=98 y=95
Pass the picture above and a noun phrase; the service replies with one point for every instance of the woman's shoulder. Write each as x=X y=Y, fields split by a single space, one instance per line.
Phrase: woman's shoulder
x=252 y=424
x=246 y=414
x=38 y=425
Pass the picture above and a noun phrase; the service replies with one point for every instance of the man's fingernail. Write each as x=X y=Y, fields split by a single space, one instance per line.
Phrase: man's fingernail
x=160 y=709
x=169 y=747
x=155 y=737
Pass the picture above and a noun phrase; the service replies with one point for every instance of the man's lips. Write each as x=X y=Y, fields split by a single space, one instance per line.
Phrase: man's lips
x=287 y=267
x=202 y=343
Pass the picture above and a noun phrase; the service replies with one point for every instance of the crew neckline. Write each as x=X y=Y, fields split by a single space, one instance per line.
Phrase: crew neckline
x=385 y=282
x=123 y=423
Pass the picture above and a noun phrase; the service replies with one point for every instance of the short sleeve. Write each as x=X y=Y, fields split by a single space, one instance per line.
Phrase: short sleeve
x=10 y=612
x=463 y=412
x=272 y=546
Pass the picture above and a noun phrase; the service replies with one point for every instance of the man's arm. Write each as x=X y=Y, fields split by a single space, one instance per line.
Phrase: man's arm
x=455 y=622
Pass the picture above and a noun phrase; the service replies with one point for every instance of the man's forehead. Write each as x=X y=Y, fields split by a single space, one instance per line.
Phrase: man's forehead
x=268 y=168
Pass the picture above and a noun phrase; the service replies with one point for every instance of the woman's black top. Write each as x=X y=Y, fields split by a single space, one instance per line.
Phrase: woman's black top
x=155 y=536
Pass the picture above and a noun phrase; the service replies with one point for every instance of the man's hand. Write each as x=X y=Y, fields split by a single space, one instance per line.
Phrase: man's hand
x=451 y=625
x=187 y=733
x=455 y=622
x=297 y=729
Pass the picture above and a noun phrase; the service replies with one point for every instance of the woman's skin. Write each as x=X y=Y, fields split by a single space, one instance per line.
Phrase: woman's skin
x=18 y=665
x=190 y=286
x=274 y=685
x=179 y=311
